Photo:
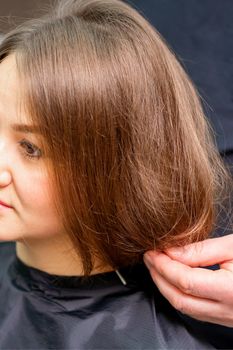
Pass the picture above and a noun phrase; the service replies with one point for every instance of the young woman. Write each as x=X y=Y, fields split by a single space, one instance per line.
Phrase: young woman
x=104 y=154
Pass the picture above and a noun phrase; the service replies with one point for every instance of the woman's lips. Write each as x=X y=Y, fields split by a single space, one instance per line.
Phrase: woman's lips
x=3 y=204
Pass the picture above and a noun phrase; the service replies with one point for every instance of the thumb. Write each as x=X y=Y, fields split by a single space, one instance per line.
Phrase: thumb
x=209 y=252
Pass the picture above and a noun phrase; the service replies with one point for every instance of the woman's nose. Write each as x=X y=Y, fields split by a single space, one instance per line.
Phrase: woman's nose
x=5 y=178
x=5 y=174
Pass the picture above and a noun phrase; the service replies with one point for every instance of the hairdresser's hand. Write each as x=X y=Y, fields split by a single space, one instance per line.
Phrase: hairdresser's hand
x=200 y=293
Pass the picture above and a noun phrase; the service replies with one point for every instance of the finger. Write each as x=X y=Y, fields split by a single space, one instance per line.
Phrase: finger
x=209 y=252
x=197 y=282
x=201 y=309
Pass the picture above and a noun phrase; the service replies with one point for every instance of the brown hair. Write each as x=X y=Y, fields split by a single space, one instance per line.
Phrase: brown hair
x=133 y=162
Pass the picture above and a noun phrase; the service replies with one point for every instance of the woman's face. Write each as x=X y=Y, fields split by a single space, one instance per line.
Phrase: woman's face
x=24 y=182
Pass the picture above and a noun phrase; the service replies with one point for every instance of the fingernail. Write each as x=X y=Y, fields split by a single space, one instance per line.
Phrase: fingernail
x=175 y=251
x=148 y=259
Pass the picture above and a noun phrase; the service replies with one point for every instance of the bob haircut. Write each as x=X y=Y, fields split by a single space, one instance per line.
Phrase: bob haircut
x=130 y=153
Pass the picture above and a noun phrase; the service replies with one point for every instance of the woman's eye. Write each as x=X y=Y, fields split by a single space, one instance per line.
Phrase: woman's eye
x=30 y=150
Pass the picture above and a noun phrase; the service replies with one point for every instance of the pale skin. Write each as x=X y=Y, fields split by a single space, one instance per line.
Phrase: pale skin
x=25 y=185
x=203 y=294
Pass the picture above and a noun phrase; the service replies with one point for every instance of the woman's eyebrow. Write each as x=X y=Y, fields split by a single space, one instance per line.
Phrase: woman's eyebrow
x=26 y=128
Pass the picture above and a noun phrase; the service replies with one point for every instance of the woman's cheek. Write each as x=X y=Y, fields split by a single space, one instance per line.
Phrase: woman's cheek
x=38 y=211
x=35 y=192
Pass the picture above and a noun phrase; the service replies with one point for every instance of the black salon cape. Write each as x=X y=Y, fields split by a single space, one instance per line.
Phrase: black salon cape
x=42 y=311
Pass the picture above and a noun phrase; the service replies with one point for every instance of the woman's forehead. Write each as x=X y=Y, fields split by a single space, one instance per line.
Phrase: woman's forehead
x=11 y=107
x=8 y=75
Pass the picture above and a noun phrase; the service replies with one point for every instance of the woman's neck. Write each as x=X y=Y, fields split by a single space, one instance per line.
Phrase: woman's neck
x=55 y=256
